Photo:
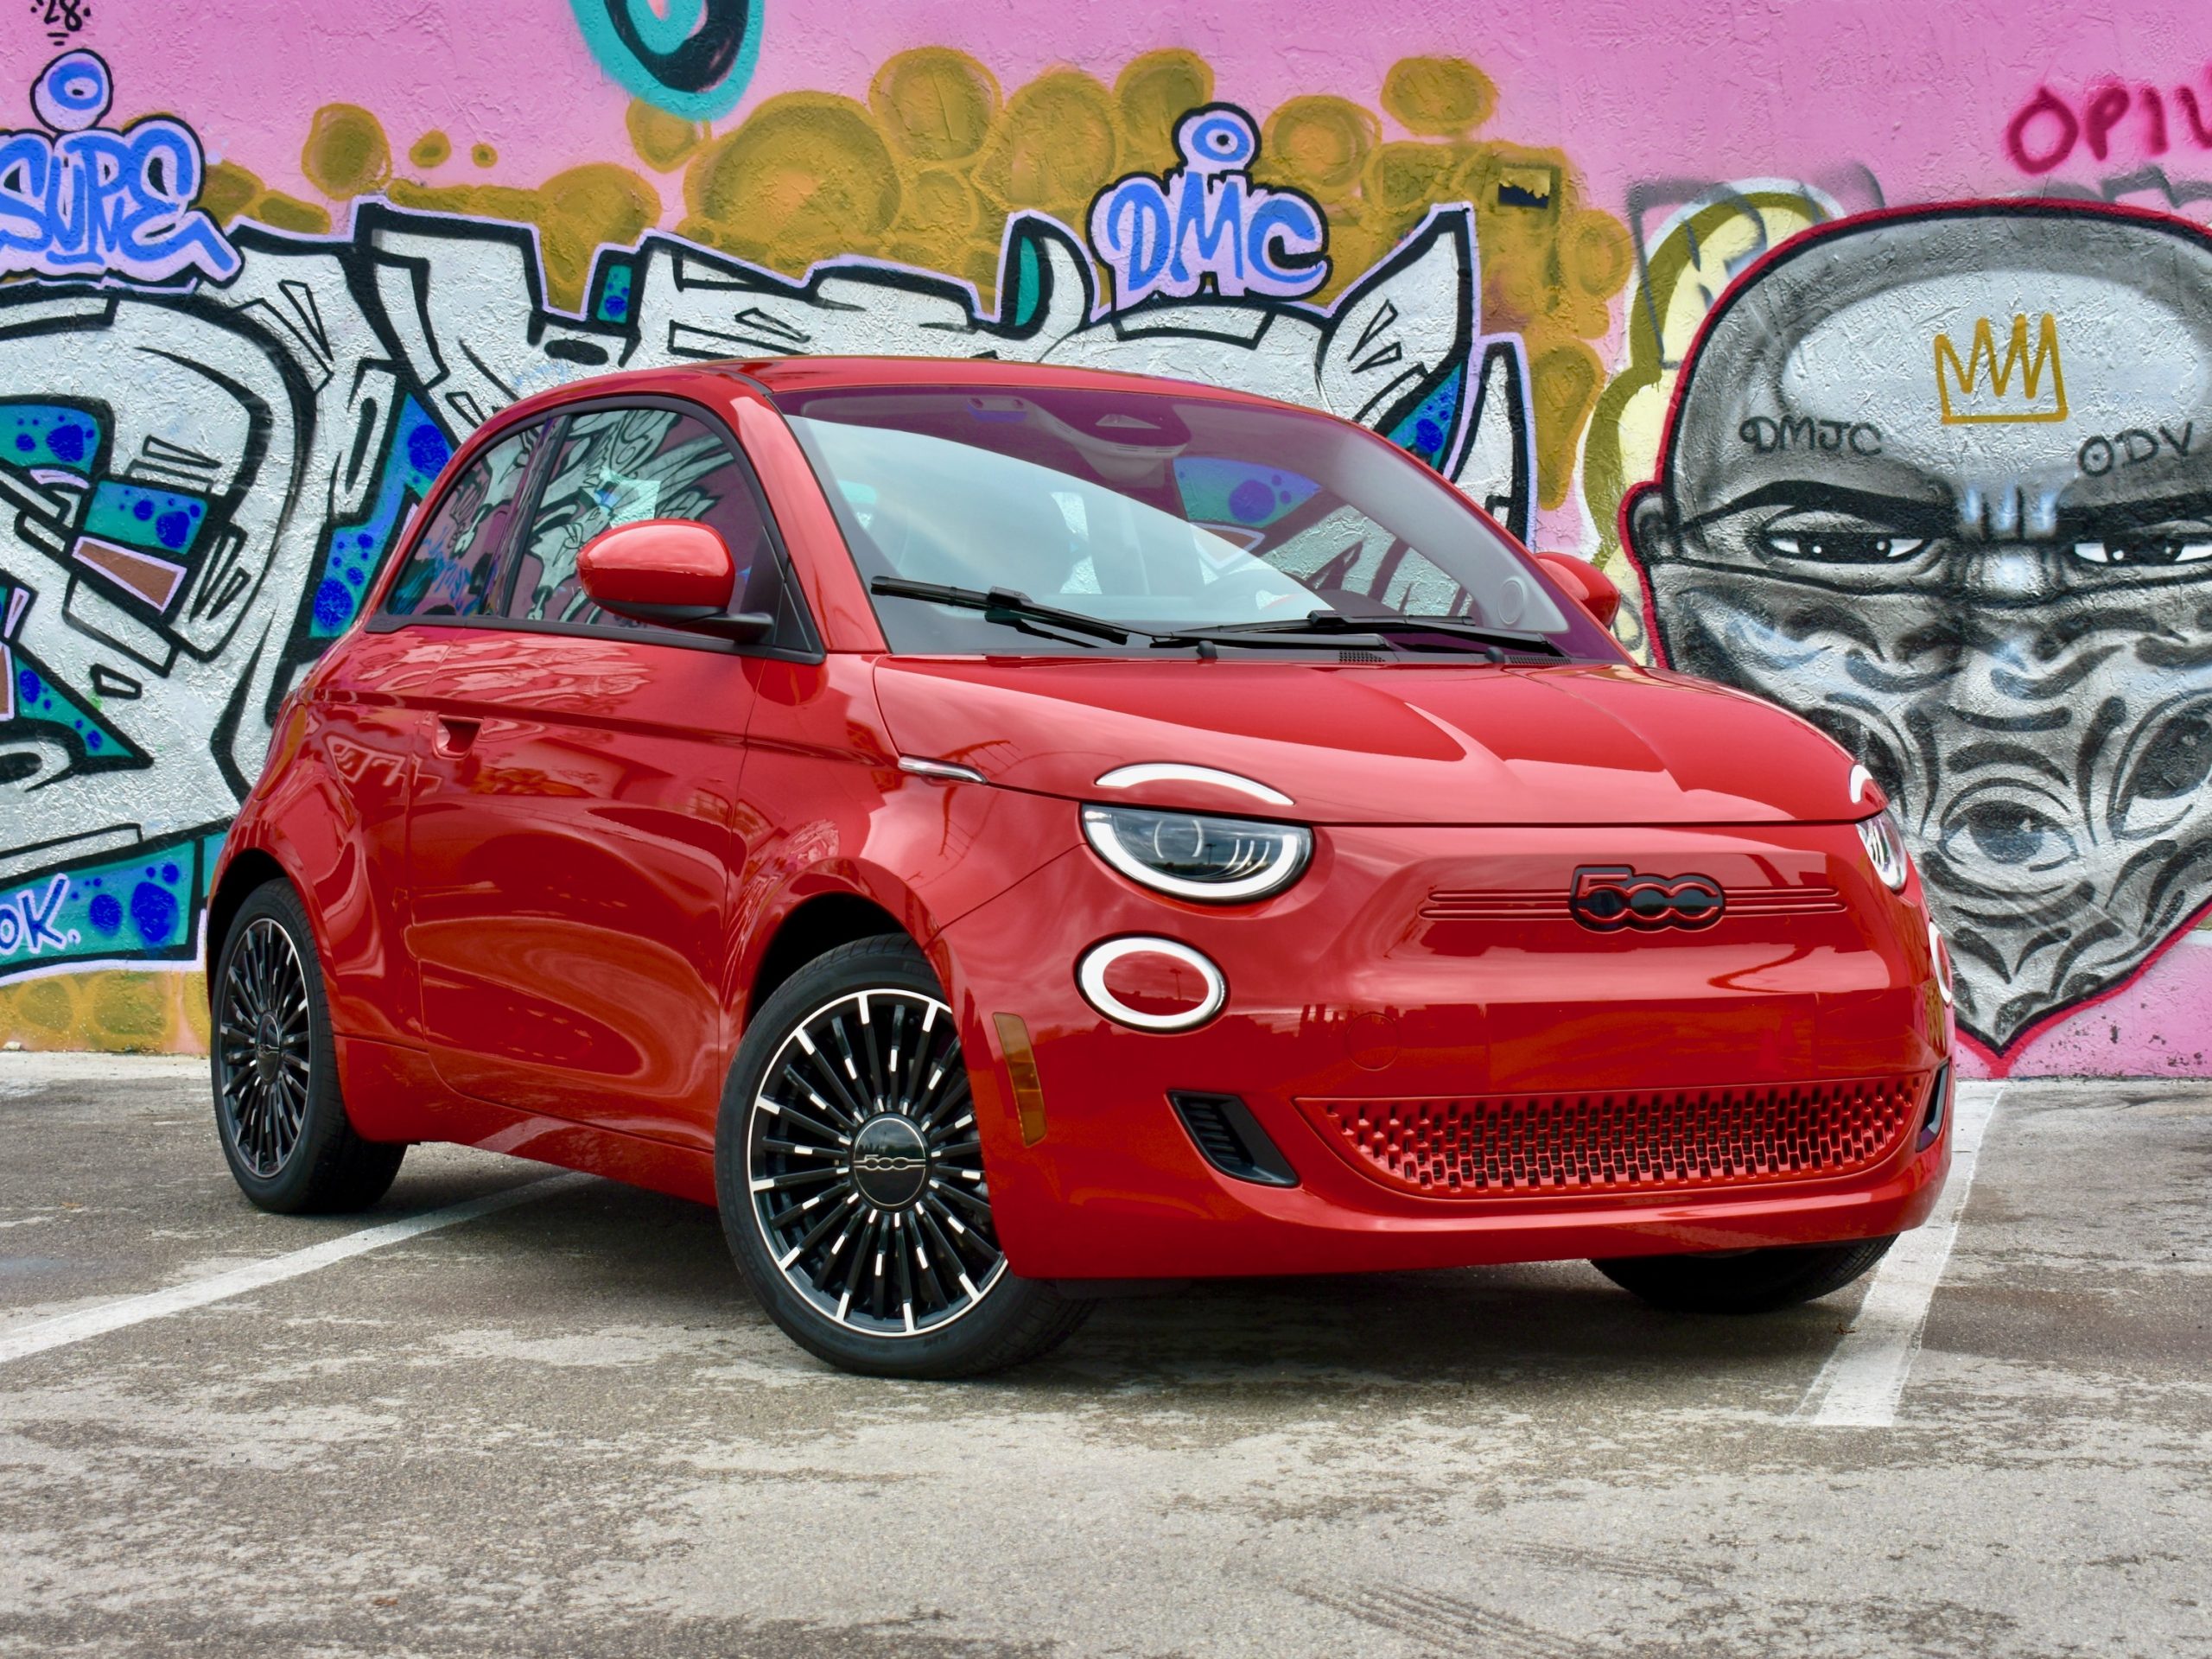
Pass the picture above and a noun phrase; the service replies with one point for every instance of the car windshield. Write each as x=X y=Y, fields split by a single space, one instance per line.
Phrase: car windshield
x=1158 y=511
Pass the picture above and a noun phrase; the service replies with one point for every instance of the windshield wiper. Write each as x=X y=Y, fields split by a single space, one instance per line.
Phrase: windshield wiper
x=1001 y=605
x=1332 y=629
x=1338 y=623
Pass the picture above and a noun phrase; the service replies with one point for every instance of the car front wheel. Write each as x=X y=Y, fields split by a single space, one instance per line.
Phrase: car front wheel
x=1745 y=1282
x=850 y=1169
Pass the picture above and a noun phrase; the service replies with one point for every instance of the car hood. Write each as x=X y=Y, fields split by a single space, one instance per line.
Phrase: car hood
x=1364 y=743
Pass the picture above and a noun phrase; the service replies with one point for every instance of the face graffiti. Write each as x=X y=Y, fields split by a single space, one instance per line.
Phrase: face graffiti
x=1942 y=482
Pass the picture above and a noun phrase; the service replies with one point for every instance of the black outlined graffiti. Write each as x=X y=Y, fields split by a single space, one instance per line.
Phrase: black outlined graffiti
x=197 y=489
x=1206 y=223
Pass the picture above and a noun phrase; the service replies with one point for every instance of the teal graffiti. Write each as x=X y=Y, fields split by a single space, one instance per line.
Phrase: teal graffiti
x=356 y=550
x=31 y=698
x=136 y=908
x=695 y=62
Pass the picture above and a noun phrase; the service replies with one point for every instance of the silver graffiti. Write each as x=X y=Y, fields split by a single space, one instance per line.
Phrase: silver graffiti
x=197 y=488
x=2016 y=639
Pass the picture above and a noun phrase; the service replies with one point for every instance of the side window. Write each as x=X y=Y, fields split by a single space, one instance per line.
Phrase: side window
x=451 y=570
x=616 y=467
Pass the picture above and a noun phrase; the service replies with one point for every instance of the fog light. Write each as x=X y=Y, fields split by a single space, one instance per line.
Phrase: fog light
x=1150 y=984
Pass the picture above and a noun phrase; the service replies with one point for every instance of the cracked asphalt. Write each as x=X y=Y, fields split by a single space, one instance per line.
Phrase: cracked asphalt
x=565 y=1428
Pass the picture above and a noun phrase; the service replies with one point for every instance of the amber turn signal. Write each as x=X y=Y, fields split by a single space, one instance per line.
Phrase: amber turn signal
x=1022 y=1067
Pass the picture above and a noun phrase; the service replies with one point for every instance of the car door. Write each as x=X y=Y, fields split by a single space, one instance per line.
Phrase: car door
x=574 y=823
x=369 y=711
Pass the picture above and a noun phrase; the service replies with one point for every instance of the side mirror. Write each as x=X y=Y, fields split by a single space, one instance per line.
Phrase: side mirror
x=1588 y=586
x=669 y=571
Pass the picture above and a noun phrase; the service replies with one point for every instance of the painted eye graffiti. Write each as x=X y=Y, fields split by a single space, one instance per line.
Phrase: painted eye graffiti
x=2152 y=547
x=2008 y=835
x=1836 y=539
x=2176 y=761
x=1845 y=547
x=2163 y=773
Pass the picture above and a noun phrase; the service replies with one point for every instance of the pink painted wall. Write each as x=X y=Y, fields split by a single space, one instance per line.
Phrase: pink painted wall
x=1687 y=140
x=1919 y=94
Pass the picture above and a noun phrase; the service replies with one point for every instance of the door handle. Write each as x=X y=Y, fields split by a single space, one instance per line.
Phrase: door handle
x=454 y=735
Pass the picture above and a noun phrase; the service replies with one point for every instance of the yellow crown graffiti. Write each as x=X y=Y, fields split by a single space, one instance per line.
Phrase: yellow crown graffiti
x=1967 y=397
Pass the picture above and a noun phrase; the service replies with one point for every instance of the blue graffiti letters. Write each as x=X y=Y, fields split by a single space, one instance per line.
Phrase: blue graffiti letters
x=1207 y=219
x=27 y=919
x=85 y=200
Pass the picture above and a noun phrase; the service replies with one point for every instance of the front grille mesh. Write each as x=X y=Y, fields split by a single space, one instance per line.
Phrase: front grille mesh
x=1622 y=1140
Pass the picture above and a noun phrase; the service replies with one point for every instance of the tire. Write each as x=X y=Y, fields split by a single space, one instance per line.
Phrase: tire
x=888 y=1270
x=1745 y=1281
x=278 y=1113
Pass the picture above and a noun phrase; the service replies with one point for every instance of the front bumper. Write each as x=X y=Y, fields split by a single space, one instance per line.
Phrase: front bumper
x=1349 y=987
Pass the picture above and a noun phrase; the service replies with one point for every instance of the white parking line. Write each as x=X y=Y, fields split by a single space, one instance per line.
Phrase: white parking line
x=40 y=1335
x=1863 y=1378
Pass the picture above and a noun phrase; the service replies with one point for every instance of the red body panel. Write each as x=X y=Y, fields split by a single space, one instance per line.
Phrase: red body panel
x=546 y=871
x=1340 y=989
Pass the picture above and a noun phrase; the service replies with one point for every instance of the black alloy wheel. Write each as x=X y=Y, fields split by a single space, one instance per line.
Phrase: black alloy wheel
x=850 y=1169
x=278 y=1112
x=267 y=1047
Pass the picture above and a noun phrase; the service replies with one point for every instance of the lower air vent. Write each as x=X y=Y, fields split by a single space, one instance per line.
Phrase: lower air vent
x=1230 y=1139
x=1623 y=1141
x=1939 y=1106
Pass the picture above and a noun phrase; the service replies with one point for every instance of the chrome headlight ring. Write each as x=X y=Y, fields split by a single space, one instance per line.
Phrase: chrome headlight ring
x=1885 y=845
x=1198 y=855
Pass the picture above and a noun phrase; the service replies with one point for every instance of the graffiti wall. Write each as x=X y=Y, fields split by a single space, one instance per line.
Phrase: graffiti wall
x=1879 y=380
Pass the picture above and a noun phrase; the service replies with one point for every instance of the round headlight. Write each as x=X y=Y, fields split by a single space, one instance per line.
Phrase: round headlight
x=1197 y=855
x=1885 y=849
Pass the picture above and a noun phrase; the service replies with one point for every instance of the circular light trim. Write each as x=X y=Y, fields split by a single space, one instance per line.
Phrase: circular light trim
x=1942 y=954
x=1885 y=849
x=1090 y=979
x=1294 y=846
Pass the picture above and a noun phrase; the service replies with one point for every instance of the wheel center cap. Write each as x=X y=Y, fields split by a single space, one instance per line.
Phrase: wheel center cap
x=891 y=1161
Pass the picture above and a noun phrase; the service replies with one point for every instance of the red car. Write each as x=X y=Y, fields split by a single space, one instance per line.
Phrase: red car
x=996 y=830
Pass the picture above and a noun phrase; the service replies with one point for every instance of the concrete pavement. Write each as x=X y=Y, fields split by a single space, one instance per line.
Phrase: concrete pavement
x=563 y=1427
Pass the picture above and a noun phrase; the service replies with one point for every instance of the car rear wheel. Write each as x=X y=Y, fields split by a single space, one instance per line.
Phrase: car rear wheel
x=1745 y=1282
x=849 y=1168
x=278 y=1112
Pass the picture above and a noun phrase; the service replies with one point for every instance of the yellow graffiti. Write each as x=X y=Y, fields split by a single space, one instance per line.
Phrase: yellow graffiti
x=1691 y=258
x=925 y=172
x=1971 y=405
x=117 y=1010
x=347 y=154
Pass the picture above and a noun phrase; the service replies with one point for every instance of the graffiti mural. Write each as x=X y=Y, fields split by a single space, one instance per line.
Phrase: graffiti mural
x=200 y=487
x=1926 y=472
x=692 y=57
x=80 y=199
x=1206 y=224
x=1940 y=482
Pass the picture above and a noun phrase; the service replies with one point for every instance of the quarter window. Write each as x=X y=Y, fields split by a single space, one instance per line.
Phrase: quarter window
x=451 y=570
x=617 y=466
